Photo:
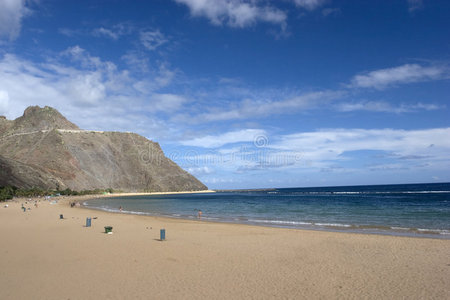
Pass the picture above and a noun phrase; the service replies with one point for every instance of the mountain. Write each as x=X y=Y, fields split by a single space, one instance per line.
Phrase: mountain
x=43 y=149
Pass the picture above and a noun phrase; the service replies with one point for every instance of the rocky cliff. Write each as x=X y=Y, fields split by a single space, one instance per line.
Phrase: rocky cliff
x=43 y=149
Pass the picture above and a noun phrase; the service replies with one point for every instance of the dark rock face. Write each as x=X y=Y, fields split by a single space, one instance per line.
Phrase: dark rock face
x=43 y=149
x=20 y=175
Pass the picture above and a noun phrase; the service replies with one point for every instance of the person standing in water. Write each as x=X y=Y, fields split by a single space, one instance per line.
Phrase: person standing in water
x=199 y=215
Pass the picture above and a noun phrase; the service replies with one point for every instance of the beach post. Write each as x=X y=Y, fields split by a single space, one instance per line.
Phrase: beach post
x=88 y=222
x=61 y=217
x=162 y=235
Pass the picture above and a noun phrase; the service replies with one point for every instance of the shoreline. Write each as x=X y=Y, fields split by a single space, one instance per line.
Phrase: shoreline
x=66 y=200
x=45 y=257
x=158 y=193
x=406 y=233
x=383 y=230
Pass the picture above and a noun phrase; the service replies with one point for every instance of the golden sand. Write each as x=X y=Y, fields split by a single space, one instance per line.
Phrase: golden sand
x=44 y=257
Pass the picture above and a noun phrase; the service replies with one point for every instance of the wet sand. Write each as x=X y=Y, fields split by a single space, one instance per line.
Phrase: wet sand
x=44 y=257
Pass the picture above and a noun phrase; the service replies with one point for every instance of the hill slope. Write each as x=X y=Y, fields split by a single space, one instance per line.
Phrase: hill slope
x=43 y=149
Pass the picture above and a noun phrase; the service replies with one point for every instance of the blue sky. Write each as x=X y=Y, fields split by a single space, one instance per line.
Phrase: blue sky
x=246 y=93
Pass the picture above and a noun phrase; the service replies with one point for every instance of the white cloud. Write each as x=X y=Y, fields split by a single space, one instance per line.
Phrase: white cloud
x=161 y=78
x=309 y=4
x=78 y=54
x=106 y=32
x=382 y=106
x=91 y=92
x=165 y=76
x=218 y=180
x=4 y=102
x=152 y=39
x=69 y=32
x=408 y=73
x=331 y=12
x=25 y=84
x=167 y=102
x=11 y=14
x=355 y=151
x=87 y=88
x=259 y=108
x=223 y=106
x=331 y=145
x=216 y=141
x=115 y=32
x=200 y=171
x=236 y=160
x=136 y=61
x=235 y=13
x=414 y=5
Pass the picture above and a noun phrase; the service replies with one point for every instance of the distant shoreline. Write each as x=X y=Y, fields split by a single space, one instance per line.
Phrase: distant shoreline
x=81 y=198
x=119 y=195
x=158 y=193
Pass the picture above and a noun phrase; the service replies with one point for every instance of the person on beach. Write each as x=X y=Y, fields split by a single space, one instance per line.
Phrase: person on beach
x=120 y=208
x=199 y=215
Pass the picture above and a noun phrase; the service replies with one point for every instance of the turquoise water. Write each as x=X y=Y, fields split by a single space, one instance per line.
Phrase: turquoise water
x=413 y=210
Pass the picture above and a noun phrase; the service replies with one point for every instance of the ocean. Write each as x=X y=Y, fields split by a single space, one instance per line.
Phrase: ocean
x=421 y=210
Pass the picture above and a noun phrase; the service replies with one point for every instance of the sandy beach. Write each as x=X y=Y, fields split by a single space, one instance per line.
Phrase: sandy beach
x=45 y=257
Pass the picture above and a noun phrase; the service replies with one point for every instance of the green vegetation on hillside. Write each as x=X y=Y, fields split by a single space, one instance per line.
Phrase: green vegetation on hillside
x=9 y=192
